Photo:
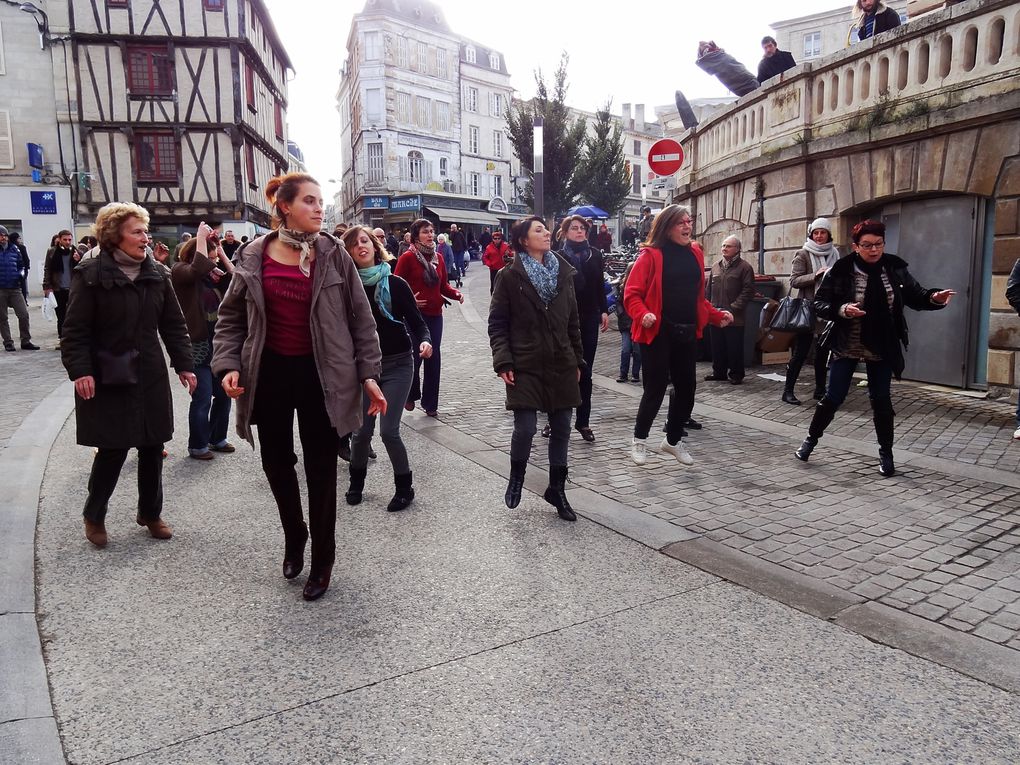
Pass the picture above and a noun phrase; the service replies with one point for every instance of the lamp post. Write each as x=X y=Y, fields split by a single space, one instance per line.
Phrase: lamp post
x=43 y=24
x=537 y=175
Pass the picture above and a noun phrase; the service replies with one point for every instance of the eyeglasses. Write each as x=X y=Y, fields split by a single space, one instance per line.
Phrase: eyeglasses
x=870 y=245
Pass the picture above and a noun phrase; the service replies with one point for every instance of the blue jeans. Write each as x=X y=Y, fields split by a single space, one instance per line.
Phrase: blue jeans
x=525 y=425
x=628 y=350
x=395 y=382
x=209 y=413
x=841 y=375
x=459 y=259
x=429 y=391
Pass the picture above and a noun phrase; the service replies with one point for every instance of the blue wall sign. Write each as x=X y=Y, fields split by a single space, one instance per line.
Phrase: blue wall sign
x=44 y=202
x=405 y=203
x=376 y=203
x=35 y=155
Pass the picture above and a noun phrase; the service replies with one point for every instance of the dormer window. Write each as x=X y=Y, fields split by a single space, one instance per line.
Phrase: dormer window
x=494 y=61
x=469 y=54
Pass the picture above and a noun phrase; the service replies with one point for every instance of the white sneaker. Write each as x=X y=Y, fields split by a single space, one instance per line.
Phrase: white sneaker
x=1016 y=433
x=639 y=451
x=679 y=451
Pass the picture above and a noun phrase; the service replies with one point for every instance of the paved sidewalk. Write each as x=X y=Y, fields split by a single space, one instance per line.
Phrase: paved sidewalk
x=456 y=631
x=27 y=377
x=940 y=541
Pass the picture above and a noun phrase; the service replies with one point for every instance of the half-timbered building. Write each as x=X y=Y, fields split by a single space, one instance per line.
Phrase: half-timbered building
x=181 y=108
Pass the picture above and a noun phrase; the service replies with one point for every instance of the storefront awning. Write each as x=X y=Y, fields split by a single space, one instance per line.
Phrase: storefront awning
x=450 y=215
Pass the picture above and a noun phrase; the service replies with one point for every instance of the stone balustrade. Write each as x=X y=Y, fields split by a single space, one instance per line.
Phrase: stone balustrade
x=925 y=65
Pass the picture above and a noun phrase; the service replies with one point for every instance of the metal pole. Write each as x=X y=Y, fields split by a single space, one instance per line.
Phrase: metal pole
x=538 y=171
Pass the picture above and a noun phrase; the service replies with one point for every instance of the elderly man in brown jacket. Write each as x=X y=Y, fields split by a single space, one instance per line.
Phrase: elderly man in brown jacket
x=730 y=288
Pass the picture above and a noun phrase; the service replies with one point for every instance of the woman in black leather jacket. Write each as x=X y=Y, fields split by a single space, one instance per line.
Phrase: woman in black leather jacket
x=863 y=296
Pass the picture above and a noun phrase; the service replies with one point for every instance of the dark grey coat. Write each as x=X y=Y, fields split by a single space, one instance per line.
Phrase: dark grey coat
x=105 y=311
x=540 y=344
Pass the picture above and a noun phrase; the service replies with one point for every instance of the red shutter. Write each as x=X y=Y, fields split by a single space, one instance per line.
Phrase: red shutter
x=249 y=85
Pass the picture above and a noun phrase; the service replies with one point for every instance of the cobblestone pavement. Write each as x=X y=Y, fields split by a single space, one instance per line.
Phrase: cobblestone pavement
x=937 y=544
x=27 y=377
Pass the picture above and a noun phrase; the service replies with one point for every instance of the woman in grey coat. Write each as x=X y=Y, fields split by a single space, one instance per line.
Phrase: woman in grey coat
x=810 y=263
x=295 y=334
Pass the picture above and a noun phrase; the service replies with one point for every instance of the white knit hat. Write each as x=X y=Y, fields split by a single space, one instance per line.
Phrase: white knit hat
x=818 y=223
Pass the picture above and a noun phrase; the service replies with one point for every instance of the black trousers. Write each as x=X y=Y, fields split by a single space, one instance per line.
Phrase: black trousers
x=662 y=360
x=289 y=384
x=62 y=297
x=727 y=351
x=106 y=467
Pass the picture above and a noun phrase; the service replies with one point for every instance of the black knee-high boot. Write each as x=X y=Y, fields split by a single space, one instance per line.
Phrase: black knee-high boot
x=792 y=373
x=884 y=418
x=824 y=412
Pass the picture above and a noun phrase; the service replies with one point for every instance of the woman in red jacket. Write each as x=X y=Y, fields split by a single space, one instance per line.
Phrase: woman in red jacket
x=665 y=298
x=497 y=254
x=425 y=270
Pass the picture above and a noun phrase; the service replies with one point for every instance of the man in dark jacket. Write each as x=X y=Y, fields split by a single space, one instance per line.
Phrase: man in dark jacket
x=61 y=260
x=12 y=272
x=872 y=17
x=1013 y=296
x=774 y=61
x=16 y=241
x=730 y=288
x=458 y=243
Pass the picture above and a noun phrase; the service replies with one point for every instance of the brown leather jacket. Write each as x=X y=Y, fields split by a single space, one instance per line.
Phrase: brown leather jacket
x=731 y=289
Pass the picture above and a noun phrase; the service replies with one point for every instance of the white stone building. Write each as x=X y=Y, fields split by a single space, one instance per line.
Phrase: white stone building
x=418 y=120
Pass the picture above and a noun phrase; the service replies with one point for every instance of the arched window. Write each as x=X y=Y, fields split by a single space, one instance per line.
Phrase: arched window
x=415 y=166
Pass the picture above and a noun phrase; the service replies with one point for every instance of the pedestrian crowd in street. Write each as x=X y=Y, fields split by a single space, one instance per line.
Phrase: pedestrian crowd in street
x=282 y=328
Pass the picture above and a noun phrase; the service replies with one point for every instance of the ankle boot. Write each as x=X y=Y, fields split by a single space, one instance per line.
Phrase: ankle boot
x=512 y=498
x=294 y=554
x=556 y=494
x=96 y=533
x=404 y=494
x=317 y=584
x=357 y=486
x=824 y=412
x=790 y=398
x=884 y=419
x=158 y=529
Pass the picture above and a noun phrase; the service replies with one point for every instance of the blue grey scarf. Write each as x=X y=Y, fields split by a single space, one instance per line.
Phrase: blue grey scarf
x=543 y=275
x=378 y=276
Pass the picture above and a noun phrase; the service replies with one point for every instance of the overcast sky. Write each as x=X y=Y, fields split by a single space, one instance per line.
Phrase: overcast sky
x=636 y=52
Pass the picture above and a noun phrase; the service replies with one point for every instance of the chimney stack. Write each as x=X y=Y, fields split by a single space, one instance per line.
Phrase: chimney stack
x=639 y=117
x=628 y=121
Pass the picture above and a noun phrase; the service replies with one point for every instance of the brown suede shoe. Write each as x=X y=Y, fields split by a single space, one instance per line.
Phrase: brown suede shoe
x=157 y=528
x=96 y=533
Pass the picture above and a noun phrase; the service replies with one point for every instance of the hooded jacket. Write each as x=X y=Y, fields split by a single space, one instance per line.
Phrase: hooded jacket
x=540 y=344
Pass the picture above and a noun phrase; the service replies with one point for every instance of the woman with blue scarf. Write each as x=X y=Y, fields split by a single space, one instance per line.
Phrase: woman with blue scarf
x=395 y=312
x=535 y=337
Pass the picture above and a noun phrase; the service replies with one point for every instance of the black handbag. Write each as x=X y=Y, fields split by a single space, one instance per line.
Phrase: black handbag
x=794 y=315
x=682 y=333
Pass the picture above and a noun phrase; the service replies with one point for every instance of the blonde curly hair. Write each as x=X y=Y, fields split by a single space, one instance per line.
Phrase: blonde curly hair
x=111 y=217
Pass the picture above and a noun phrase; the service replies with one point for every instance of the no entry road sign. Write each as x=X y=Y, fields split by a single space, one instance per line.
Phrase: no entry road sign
x=665 y=157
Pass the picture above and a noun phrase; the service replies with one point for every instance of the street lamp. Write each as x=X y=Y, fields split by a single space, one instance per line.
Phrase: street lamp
x=43 y=23
x=538 y=172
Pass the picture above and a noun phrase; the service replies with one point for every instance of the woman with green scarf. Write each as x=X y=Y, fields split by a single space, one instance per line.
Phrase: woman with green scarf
x=395 y=312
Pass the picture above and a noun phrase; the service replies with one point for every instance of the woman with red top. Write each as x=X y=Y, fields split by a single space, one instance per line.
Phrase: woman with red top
x=665 y=298
x=295 y=334
x=425 y=270
x=497 y=254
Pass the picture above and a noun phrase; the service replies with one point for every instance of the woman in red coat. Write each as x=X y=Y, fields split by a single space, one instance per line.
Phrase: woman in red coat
x=425 y=270
x=665 y=298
